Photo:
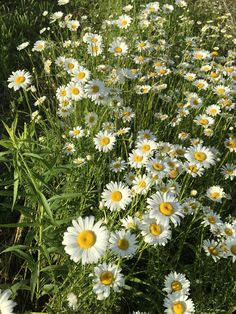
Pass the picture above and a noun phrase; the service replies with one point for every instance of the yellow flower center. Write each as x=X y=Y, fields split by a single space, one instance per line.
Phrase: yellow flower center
x=213 y=111
x=76 y=132
x=176 y=286
x=158 y=167
x=126 y=113
x=193 y=168
x=214 y=74
x=20 y=79
x=116 y=196
x=200 y=156
x=104 y=141
x=204 y=121
x=80 y=75
x=211 y=219
x=199 y=56
x=220 y=90
x=146 y=148
x=213 y=250
x=86 y=239
x=200 y=85
x=195 y=102
x=231 y=144
x=229 y=70
x=229 y=232
x=166 y=209
x=178 y=308
x=63 y=93
x=173 y=173
x=142 y=44
x=71 y=66
x=124 y=22
x=95 y=89
x=106 y=278
x=123 y=244
x=75 y=91
x=162 y=71
x=94 y=40
x=233 y=249
x=215 y=195
x=95 y=49
x=155 y=229
x=40 y=46
x=118 y=49
x=138 y=158
x=142 y=184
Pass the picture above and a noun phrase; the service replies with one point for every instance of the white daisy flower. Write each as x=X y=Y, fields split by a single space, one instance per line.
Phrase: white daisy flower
x=81 y=75
x=228 y=230
x=165 y=207
x=23 y=46
x=157 y=167
x=95 y=88
x=6 y=305
x=123 y=21
x=39 y=45
x=177 y=303
x=154 y=231
x=116 y=196
x=146 y=134
x=211 y=219
x=176 y=283
x=107 y=277
x=86 y=240
x=141 y=184
x=19 y=79
x=213 y=249
x=146 y=147
x=230 y=143
x=229 y=171
x=204 y=120
x=136 y=159
x=70 y=65
x=194 y=169
x=104 y=141
x=118 y=47
x=231 y=248
x=62 y=93
x=129 y=222
x=77 y=132
x=123 y=243
x=75 y=90
x=213 y=110
x=69 y=148
x=73 y=25
x=215 y=193
x=200 y=155
x=91 y=119
x=72 y=300
x=117 y=165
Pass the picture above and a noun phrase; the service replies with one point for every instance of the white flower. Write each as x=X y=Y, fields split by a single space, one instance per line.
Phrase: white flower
x=39 y=45
x=154 y=231
x=165 y=207
x=73 y=25
x=19 y=79
x=86 y=240
x=22 y=46
x=118 y=47
x=77 y=132
x=123 y=21
x=176 y=303
x=6 y=305
x=116 y=196
x=72 y=300
x=104 y=141
x=200 y=155
x=123 y=243
x=231 y=248
x=176 y=283
x=213 y=249
x=215 y=193
x=63 y=2
x=107 y=277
